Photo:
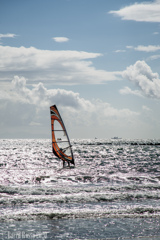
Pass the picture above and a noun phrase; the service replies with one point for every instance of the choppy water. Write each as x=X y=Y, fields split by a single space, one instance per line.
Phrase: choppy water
x=112 y=193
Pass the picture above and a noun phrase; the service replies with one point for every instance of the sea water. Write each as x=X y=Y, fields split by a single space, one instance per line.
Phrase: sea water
x=112 y=193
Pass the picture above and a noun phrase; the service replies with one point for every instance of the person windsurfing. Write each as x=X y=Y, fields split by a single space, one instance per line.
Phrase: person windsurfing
x=61 y=145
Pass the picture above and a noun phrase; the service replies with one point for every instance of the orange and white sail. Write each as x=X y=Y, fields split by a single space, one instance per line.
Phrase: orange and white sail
x=61 y=145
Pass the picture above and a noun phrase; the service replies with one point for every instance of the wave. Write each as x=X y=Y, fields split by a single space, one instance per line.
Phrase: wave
x=45 y=213
x=84 y=194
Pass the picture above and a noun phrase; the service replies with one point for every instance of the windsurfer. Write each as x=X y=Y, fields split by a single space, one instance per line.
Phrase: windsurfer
x=61 y=147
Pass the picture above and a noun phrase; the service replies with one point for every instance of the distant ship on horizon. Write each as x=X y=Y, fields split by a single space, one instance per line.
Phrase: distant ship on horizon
x=116 y=138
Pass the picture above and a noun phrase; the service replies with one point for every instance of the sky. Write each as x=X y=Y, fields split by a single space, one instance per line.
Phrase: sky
x=97 y=60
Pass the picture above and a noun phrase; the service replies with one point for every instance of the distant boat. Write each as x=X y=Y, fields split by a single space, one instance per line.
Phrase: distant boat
x=116 y=138
x=61 y=145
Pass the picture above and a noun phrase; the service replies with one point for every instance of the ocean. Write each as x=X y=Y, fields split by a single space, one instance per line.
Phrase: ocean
x=112 y=193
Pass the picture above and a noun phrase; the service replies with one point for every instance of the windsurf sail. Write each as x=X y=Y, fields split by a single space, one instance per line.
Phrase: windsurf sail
x=61 y=145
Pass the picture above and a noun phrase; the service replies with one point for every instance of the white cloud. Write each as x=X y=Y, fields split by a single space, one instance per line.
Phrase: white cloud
x=8 y=35
x=156 y=33
x=140 y=12
x=120 y=51
x=154 y=57
x=126 y=90
x=61 y=39
x=29 y=107
x=129 y=47
x=58 y=67
x=149 y=48
x=40 y=96
x=145 y=108
x=141 y=74
x=142 y=48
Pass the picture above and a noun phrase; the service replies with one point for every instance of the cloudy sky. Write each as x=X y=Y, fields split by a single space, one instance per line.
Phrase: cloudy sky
x=97 y=60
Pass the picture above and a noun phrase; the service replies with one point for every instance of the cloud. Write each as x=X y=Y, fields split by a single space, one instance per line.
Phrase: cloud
x=140 y=12
x=129 y=47
x=61 y=39
x=8 y=35
x=156 y=33
x=142 y=48
x=120 y=51
x=154 y=57
x=41 y=97
x=149 y=48
x=29 y=107
x=145 y=108
x=126 y=90
x=58 y=67
x=141 y=74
